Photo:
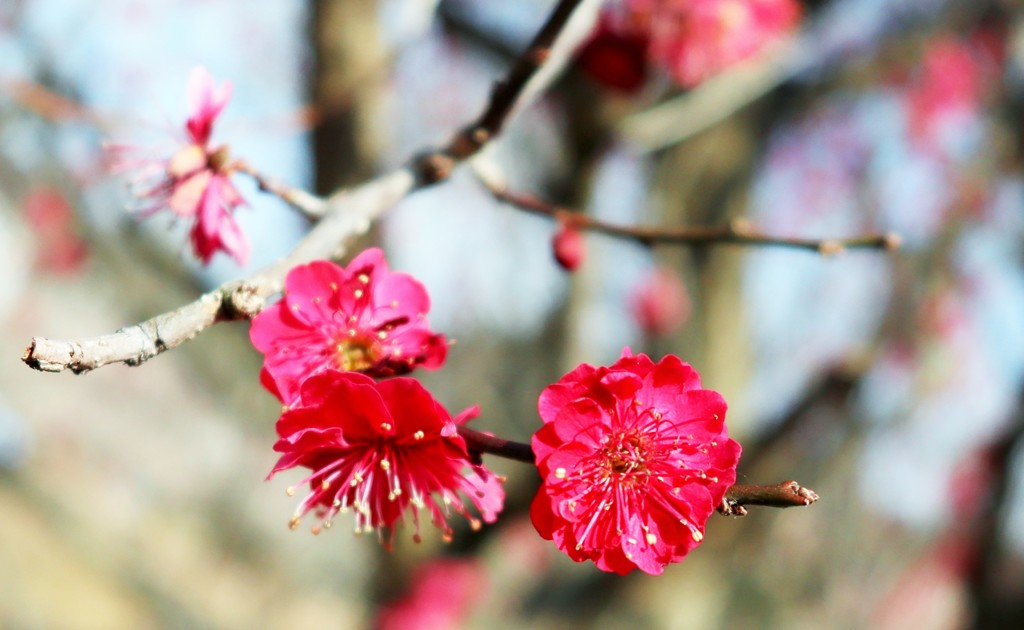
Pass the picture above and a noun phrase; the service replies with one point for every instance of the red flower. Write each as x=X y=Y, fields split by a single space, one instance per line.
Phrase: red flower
x=363 y=317
x=442 y=595
x=381 y=449
x=633 y=459
x=195 y=183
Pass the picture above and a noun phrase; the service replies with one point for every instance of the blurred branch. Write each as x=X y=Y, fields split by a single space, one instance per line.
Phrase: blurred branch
x=737 y=232
x=992 y=607
x=831 y=391
x=310 y=205
x=348 y=213
x=713 y=101
x=48 y=104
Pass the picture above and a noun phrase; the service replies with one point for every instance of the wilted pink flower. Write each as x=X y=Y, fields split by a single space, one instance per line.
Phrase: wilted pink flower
x=363 y=317
x=568 y=247
x=695 y=39
x=381 y=450
x=633 y=460
x=195 y=182
x=660 y=303
x=440 y=597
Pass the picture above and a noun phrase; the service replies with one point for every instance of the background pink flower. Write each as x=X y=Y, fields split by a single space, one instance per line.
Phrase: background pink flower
x=195 y=182
x=696 y=39
x=633 y=459
x=363 y=317
x=660 y=303
x=381 y=450
x=441 y=594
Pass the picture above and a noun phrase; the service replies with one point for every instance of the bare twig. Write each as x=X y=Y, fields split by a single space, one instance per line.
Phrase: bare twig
x=350 y=214
x=478 y=442
x=347 y=214
x=506 y=93
x=310 y=205
x=782 y=495
x=738 y=232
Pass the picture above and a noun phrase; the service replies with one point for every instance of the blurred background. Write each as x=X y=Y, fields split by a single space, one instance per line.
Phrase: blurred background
x=892 y=383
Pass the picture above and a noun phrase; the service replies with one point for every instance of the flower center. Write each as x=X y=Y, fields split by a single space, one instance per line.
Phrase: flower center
x=356 y=354
x=218 y=159
x=626 y=454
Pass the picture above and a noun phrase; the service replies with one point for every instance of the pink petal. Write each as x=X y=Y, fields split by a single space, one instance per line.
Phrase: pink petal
x=187 y=195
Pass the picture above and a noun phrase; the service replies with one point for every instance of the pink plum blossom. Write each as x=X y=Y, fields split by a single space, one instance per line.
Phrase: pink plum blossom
x=195 y=182
x=363 y=318
x=633 y=459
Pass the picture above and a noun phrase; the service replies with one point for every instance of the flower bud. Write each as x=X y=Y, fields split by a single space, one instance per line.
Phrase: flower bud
x=568 y=247
x=660 y=303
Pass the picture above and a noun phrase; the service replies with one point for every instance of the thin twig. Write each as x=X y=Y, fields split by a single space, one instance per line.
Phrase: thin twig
x=478 y=442
x=506 y=93
x=781 y=495
x=737 y=232
x=310 y=205
x=348 y=214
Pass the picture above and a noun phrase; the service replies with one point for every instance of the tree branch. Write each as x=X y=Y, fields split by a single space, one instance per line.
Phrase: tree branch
x=345 y=215
x=782 y=495
x=478 y=442
x=738 y=232
x=311 y=206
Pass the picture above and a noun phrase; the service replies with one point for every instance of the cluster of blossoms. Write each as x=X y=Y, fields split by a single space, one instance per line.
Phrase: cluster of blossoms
x=362 y=318
x=379 y=448
x=633 y=458
x=195 y=182
x=690 y=39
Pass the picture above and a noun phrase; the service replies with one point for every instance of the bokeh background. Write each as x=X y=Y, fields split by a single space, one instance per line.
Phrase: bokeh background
x=890 y=382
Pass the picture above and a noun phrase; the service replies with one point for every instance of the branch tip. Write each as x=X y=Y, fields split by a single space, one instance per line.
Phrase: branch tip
x=782 y=495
